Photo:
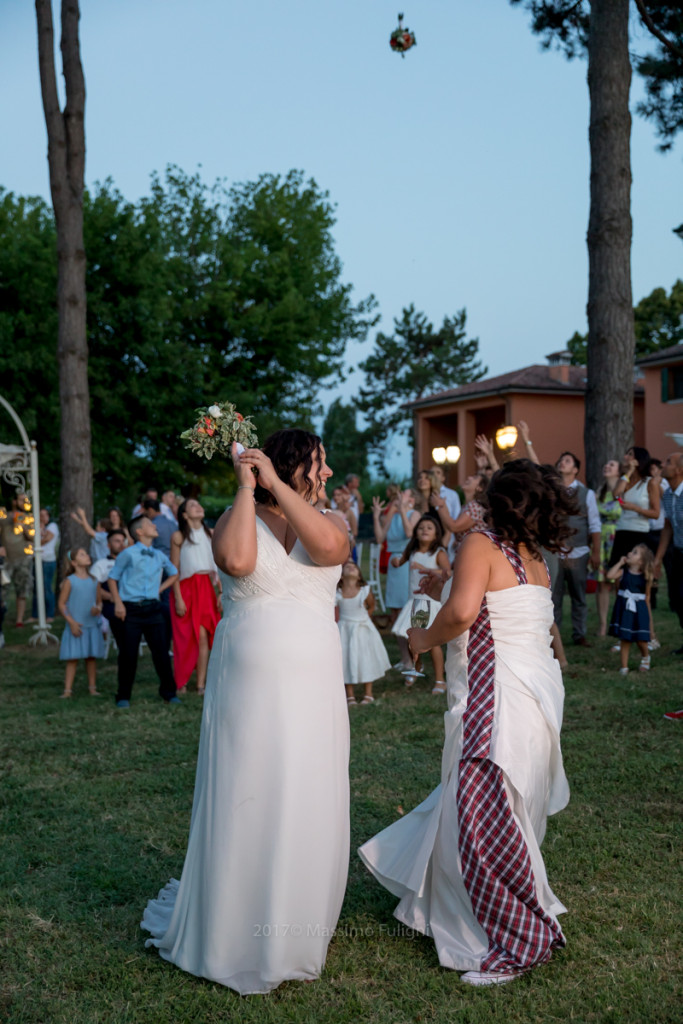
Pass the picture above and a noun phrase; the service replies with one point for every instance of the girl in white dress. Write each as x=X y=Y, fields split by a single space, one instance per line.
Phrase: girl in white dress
x=364 y=656
x=423 y=551
x=267 y=856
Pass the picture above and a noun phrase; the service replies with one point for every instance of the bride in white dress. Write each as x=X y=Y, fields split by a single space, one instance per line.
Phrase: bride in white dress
x=267 y=857
x=467 y=863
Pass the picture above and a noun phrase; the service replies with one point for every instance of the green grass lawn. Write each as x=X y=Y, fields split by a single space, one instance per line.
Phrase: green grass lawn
x=95 y=814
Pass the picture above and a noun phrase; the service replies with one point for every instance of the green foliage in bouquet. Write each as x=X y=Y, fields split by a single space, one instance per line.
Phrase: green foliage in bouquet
x=216 y=428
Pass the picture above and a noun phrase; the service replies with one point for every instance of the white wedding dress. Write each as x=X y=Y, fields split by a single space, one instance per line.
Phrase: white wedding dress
x=267 y=857
x=417 y=857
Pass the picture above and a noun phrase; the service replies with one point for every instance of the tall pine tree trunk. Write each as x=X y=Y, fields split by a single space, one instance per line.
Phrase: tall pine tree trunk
x=611 y=339
x=66 y=159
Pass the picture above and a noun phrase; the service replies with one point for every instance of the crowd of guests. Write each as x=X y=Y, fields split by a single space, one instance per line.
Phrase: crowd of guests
x=153 y=577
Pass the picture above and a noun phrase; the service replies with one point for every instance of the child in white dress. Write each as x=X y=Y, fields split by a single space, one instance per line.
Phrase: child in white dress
x=364 y=656
x=423 y=551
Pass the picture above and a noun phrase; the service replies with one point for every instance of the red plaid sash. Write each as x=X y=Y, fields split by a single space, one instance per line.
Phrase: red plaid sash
x=495 y=861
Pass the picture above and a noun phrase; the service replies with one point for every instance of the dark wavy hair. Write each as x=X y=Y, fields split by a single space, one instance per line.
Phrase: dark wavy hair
x=642 y=457
x=287 y=450
x=414 y=545
x=184 y=526
x=528 y=504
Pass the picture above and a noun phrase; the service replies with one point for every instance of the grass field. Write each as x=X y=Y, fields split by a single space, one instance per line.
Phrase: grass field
x=95 y=812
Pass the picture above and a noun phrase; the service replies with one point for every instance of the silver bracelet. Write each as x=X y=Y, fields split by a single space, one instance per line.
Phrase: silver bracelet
x=246 y=487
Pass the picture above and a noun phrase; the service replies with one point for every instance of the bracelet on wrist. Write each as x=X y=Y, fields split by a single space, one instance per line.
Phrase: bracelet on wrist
x=245 y=487
x=528 y=442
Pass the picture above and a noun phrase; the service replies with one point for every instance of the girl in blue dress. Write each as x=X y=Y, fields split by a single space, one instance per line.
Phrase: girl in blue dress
x=80 y=602
x=631 y=613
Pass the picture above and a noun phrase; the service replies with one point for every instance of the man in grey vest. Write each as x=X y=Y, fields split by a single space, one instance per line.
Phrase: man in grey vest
x=583 y=549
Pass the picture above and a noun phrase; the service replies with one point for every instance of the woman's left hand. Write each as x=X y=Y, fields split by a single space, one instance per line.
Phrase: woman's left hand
x=255 y=458
x=417 y=641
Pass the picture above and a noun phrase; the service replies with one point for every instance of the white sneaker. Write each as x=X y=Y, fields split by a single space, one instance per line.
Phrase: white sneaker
x=489 y=977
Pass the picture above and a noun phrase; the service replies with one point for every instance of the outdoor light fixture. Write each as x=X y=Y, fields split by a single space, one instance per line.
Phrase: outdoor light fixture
x=439 y=456
x=506 y=437
x=452 y=453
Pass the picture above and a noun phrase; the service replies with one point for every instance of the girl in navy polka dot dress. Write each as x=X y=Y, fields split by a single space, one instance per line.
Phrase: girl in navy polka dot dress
x=631 y=613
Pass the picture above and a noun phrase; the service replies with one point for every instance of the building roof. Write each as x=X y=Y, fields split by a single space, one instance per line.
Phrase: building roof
x=672 y=354
x=530 y=378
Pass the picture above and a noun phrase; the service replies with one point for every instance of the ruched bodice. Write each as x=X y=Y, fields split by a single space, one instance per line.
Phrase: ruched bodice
x=282 y=576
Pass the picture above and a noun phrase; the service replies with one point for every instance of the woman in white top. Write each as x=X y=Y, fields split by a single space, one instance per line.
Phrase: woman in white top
x=196 y=610
x=639 y=497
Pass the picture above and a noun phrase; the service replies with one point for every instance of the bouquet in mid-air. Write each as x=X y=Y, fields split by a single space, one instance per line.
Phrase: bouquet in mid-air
x=216 y=428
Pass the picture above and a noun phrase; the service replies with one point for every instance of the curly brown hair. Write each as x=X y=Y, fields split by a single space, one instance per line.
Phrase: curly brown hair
x=287 y=450
x=528 y=504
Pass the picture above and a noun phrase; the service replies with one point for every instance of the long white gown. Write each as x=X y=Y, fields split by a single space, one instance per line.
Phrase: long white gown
x=417 y=858
x=267 y=857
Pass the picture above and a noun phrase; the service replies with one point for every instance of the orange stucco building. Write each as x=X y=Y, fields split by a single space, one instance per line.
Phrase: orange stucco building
x=551 y=400
x=663 y=385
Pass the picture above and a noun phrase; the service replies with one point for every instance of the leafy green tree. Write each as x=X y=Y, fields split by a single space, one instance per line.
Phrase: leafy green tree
x=413 y=361
x=195 y=293
x=600 y=29
x=346 y=446
x=658 y=324
x=28 y=330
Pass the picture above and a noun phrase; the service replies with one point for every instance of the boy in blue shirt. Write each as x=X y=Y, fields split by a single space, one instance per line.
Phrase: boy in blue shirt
x=135 y=586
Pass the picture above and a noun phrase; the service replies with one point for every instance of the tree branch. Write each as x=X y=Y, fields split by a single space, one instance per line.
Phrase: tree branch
x=74 y=111
x=650 y=25
x=48 y=86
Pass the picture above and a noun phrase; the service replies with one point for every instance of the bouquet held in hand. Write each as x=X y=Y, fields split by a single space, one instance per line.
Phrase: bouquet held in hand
x=216 y=428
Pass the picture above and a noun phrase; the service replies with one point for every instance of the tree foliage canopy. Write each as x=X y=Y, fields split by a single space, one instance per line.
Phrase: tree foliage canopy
x=346 y=446
x=658 y=323
x=195 y=293
x=565 y=24
x=413 y=361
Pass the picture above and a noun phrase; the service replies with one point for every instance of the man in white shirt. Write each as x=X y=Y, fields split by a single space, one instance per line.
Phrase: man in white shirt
x=450 y=497
x=116 y=541
x=168 y=506
x=49 y=538
x=583 y=549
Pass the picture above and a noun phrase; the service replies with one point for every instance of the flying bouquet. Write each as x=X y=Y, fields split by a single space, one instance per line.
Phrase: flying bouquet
x=215 y=430
x=401 y=39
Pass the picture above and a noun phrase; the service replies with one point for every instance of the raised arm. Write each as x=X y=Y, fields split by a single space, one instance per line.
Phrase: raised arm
x=234 y=537
x=529 y=448
x=80 y=517
x=470 y=582
x=380 y=527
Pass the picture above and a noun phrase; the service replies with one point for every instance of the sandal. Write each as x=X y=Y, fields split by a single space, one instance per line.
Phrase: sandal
x=367 y=699
x=351 y=702
x=644 y=664
x=64 y=696
x=200 y=691
x=409 y=681
x=439 y=686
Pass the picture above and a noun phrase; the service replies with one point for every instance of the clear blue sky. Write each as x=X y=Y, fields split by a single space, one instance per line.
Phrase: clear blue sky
x=460 y=172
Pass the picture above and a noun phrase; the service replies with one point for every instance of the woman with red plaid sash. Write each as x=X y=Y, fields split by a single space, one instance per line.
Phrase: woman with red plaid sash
x=467 y=862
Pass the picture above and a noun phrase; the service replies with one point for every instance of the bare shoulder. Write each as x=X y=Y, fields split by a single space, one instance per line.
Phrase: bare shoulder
x=477 y=544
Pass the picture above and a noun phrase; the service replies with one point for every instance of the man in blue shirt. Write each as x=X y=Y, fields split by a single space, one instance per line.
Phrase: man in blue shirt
x=672 y=503
x=162 y=542
x=135 y=585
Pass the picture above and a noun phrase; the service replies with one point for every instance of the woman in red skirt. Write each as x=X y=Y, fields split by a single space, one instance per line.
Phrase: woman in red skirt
x=196 y=611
